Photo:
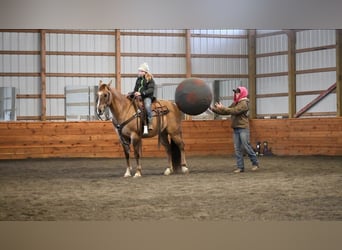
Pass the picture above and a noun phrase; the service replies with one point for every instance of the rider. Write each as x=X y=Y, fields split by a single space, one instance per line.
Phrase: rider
x=144 y=87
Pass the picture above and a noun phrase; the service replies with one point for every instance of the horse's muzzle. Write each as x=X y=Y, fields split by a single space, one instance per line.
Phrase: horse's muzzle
x=100 y=111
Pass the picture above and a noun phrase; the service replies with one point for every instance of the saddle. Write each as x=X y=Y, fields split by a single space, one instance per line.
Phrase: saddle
x=158 y=109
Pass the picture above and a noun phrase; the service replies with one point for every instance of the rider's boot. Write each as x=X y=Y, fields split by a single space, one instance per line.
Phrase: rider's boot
x=145 y=130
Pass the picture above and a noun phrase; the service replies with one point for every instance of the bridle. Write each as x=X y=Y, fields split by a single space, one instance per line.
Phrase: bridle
x=108 y=100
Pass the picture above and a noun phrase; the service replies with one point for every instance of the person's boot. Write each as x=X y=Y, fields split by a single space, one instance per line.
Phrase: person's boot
x=255 y=167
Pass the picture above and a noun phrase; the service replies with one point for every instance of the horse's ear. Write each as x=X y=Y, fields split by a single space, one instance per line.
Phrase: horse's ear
x=100 y=83
x=109 y=83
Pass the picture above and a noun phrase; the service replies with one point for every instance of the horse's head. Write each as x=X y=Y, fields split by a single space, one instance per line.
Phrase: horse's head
x=104 y=97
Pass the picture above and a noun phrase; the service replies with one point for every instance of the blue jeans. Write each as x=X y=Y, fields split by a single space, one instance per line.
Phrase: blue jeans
x=147 y=104
x=241 y=141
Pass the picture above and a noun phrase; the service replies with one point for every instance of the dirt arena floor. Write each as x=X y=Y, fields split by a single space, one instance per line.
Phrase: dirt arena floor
x=284 y=189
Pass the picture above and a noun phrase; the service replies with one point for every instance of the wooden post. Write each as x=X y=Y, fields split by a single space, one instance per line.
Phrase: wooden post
x=188 y=60
x=291 y=34
x=216 y=94
x=117 y=60
x=188 y=53
x=339 y=72
x=43 y=74
x=252 y=72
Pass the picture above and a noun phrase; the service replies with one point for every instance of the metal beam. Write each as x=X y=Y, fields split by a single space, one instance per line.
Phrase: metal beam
x=316 y=100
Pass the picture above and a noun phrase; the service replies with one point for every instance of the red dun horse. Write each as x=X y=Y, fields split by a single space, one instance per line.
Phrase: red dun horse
x=127 y=121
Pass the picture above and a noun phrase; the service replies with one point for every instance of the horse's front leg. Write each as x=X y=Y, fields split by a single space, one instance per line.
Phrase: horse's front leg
x=137 y=150
x=128 y=164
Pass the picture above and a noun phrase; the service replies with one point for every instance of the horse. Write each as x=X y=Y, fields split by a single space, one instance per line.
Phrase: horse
x=128 y=120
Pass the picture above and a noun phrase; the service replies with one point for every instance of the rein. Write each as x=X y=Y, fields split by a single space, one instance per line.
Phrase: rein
x=119 y=126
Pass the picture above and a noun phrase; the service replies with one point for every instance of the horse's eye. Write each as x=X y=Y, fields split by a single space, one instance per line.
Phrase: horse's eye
x=105 y=95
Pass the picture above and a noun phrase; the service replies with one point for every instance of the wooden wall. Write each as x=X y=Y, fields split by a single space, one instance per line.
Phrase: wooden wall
x=309 y=136
x=21 y=140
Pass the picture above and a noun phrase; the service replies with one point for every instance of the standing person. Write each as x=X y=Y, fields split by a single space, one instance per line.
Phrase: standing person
x=240 y=124
x=144 y=87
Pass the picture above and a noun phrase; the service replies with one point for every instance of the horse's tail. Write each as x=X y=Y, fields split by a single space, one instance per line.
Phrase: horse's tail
x=175 y=156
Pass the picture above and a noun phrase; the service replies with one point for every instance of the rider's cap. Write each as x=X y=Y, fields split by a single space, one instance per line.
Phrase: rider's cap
x=144 y=67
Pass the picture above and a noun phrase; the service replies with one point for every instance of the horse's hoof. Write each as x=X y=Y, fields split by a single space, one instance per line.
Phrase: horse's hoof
x=167 y=171
x=127 y=173
x=185 y=170
x=137 y=175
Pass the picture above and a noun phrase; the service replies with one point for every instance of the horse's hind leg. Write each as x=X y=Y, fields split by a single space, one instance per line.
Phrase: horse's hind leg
x=178 y=140
x=165 y=142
